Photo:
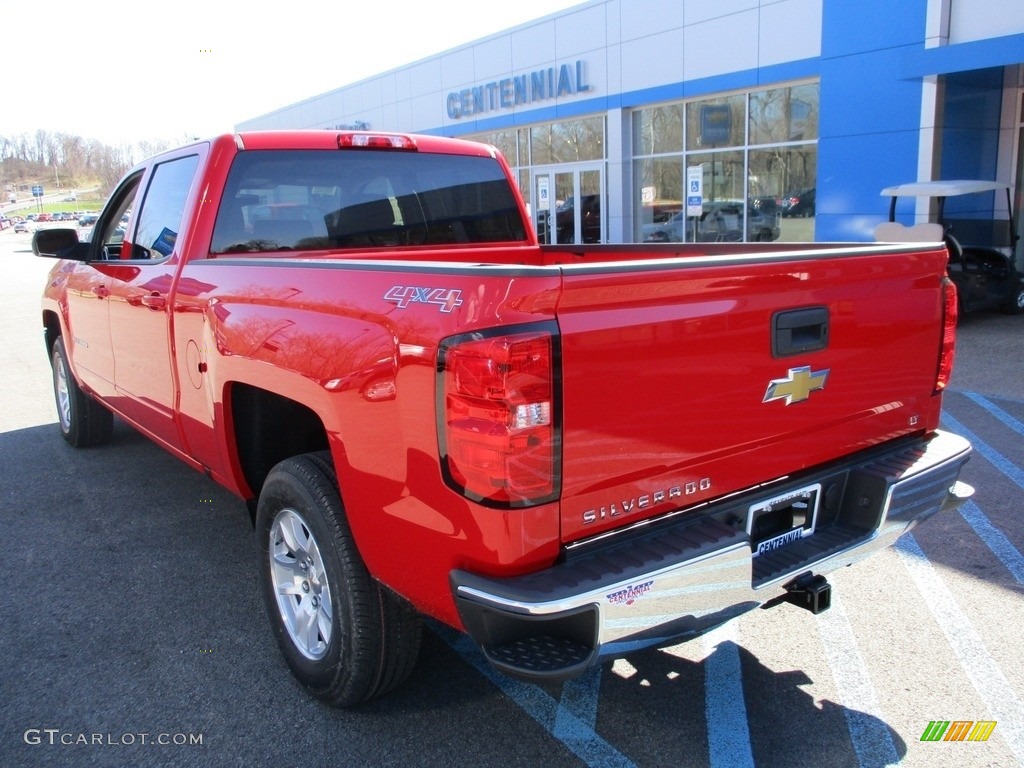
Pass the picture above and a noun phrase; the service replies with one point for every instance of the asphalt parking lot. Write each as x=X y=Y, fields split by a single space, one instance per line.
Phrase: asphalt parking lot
x=133 y=631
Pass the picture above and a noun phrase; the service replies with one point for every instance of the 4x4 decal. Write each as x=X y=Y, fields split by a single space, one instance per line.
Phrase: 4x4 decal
x=404 y=295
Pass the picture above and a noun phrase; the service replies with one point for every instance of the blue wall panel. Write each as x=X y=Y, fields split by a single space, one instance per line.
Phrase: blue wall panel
x=852 y=28
x=850 y=205
x=970 y=123
x=870 y=118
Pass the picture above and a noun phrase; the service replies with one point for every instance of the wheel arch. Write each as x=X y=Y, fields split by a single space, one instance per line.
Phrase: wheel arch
x=51 y=330
x=268 y=428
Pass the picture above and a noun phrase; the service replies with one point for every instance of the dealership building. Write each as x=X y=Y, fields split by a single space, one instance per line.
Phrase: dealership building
x=614 y=110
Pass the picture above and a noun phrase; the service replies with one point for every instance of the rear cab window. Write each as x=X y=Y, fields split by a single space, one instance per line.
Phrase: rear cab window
x=318 y=200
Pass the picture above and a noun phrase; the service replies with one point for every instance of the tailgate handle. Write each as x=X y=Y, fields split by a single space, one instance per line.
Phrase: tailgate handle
x=796 y=331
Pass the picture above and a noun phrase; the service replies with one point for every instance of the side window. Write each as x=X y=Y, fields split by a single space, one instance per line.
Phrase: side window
x=159 y=219
x=109 y=230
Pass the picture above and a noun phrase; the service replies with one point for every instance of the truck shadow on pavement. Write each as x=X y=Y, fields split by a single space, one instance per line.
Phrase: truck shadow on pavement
x=146 y=616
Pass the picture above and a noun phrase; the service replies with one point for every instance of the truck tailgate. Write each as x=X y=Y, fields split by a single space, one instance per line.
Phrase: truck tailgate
x=689 y=379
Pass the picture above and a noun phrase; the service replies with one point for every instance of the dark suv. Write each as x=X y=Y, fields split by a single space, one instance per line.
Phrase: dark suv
x=799 y=203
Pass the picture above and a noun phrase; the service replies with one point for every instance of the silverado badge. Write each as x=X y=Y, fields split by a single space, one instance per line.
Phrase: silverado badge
x=797 y=386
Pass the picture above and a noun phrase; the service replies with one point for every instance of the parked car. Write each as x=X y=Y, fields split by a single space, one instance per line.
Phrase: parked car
x=799 y=203
x=590 y=220
x=723 y=220
x=765 y=204
x=25 y=226
x=5 y=223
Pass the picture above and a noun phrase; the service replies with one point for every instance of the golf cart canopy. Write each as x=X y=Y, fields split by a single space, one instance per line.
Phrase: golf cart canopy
x=942 y=188
x=982 y=228
x=979 y=235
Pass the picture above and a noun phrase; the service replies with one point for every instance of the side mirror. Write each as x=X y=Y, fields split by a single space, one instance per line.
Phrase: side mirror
x=59 y=244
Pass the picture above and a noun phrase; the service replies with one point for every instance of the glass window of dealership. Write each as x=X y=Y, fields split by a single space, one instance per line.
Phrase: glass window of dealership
x=757 y=151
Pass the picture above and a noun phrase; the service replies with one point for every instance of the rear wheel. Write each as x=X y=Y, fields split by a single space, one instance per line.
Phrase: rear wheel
x=344 y=636
x=1015 y=304
x=83 y=421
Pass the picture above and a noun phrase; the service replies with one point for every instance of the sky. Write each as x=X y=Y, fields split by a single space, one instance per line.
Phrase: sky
x=125 y=71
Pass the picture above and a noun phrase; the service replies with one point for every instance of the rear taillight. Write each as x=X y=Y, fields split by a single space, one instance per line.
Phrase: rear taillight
x=948 y=349
x=498 y=416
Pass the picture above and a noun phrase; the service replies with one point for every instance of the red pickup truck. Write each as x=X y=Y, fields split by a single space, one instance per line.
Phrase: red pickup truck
x=568 y=452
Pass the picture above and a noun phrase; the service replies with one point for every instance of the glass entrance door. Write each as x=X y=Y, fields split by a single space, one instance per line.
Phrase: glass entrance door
x=570 y=205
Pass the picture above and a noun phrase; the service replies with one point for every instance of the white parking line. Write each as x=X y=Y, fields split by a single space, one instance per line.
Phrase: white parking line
x=871 y=738
x=991 y=684
x=724 y=707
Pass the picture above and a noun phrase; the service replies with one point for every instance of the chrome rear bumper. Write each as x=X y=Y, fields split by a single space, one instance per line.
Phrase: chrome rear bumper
x=686 y=575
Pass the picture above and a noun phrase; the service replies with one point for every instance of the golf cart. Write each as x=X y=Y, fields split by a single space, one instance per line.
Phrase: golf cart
x=981 y=258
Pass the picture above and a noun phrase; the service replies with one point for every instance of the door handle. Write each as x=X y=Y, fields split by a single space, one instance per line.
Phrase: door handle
x=798 y=331
x=154 y=301
x=101 y=291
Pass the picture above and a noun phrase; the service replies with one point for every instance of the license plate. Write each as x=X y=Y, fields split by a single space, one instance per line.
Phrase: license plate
x=782 y=520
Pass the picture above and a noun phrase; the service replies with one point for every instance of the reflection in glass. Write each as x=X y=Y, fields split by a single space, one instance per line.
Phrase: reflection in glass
x=716 y=122
x=758 y=151
x=780 y=172
x=569 y=141
x=784 y=114
x=658 y=130
x=505 y=141
x=661 y=183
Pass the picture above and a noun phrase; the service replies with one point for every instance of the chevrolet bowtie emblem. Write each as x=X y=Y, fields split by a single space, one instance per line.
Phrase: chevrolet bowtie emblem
x=797 y=386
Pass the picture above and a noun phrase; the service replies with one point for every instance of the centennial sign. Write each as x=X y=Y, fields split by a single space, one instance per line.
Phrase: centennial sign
x=518 y=90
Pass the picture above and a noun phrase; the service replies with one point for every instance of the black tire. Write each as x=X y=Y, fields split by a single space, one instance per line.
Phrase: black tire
x=83 y=421
x=1015 y=304
x=344 y=636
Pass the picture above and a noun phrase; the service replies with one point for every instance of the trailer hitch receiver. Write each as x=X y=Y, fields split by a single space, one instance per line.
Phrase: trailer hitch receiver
x=810 y=591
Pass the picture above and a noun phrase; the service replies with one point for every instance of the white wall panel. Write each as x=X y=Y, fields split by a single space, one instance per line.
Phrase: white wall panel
x=721 y=46
x=595 y=74
x=428 y=109
x=321 y=110
x=403 y=85
x=307 y=115
x=580 y=32
x=388 y=89
x=643 y=18
x=492 y=59
x=653 y=60
x=533 y=46
x=790 y=30
x=706 y=10
x=457 y=69
x=425 y=76
x=981 y=19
